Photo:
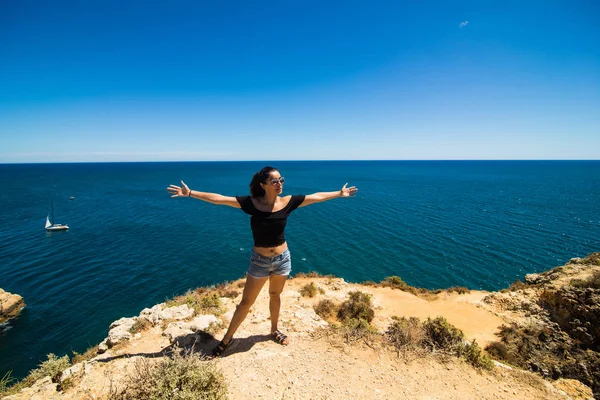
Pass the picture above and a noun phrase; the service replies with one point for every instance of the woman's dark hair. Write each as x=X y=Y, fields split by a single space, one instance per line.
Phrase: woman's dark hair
x=260 y=177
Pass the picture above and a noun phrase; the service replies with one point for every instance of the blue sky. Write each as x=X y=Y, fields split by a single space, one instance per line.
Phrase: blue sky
x=298 y=80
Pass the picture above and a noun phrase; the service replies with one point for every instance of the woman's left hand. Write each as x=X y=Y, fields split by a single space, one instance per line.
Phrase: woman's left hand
x=347 y=192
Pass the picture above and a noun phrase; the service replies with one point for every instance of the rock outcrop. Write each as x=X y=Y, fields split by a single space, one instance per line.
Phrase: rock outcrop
x=553 y=322
x=10 y=305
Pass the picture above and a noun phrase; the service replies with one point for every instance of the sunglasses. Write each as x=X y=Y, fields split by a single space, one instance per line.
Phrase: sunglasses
x=276 y=181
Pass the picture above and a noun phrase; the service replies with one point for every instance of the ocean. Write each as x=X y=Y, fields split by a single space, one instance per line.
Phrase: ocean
x=436 y=224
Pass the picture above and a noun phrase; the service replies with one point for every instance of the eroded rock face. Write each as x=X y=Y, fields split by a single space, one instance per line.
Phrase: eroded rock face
x=558 y=330
x=10 y=305
x=577 y=311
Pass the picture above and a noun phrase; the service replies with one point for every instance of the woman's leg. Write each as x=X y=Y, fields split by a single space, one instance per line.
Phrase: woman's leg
x=276 y=284
x=251 y=291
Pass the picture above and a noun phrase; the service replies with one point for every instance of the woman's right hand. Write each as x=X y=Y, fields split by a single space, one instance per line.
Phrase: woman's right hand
x=176 y=191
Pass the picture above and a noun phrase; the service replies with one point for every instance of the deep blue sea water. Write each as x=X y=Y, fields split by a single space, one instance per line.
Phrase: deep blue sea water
x=480 y=224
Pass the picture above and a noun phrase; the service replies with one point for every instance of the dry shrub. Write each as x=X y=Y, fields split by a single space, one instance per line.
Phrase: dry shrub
x=459 y=290
x=326 y=309
x=86 y=356
x=202 y=300
x=358 y=306
x=435 y=335
x=353 y=329
x=181 y=377
x=311 y=274
x=395 y=282
x=592 y=282
x=52 y=367
x=309 y=290
x=406 y=333
x=226 y=290
x=140 y=325
x=593 y=258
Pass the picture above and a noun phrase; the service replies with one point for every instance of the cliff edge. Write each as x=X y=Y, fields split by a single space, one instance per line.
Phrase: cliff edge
x=529 y=329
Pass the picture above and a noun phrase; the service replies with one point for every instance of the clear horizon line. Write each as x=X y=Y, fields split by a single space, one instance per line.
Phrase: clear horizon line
x=298 y=160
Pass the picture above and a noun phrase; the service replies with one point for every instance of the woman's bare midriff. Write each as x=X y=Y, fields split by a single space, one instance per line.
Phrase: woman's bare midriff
x=271 y=251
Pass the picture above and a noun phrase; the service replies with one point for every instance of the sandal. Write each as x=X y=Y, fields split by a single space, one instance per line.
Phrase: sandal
x=279 y=337
x=221 y=347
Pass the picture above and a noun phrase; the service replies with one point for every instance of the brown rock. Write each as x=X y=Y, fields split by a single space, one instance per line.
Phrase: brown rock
x=10 y=305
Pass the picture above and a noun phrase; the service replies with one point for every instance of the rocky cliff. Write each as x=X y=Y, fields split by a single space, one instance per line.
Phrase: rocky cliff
x=542 y=334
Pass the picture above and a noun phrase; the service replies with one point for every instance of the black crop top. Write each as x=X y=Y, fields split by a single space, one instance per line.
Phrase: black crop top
x=268 y=227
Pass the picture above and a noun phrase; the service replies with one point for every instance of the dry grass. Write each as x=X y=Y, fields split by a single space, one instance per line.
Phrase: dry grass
x=186 y=377
x=140 y=325
x=435 y=336
x=459 y=290
x=311 y=274
x=406 y=334
x=309 y=290
x=592 y=282
x=202 y=300
x=86 y=356
x=52 y=367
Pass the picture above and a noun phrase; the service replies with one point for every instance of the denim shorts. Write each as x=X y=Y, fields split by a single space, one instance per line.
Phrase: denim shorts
x=263 y=266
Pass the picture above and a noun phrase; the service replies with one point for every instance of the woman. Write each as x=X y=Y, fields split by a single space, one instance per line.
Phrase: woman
x=270 y=258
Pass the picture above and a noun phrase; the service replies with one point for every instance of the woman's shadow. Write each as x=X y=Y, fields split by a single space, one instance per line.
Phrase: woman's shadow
x=203 y=343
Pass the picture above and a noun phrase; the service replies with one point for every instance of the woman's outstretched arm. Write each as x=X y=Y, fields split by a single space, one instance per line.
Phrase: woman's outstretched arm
x=215 y=198
x=324 y=196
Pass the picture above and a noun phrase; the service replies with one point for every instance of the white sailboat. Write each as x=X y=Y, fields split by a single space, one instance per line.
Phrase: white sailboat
x=54 y=227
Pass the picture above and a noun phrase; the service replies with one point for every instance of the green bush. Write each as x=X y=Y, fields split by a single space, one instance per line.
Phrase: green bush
x=52 y=367
x=326 y=308
x=395 y=282
x=441 y=335
x=309 y=290
x=358 y=306
x=472 y=353
x=181 y=377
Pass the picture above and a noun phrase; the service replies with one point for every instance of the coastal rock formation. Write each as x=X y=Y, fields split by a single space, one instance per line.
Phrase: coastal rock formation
x=536 y=318
x=10 y=305
x=553 y=322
